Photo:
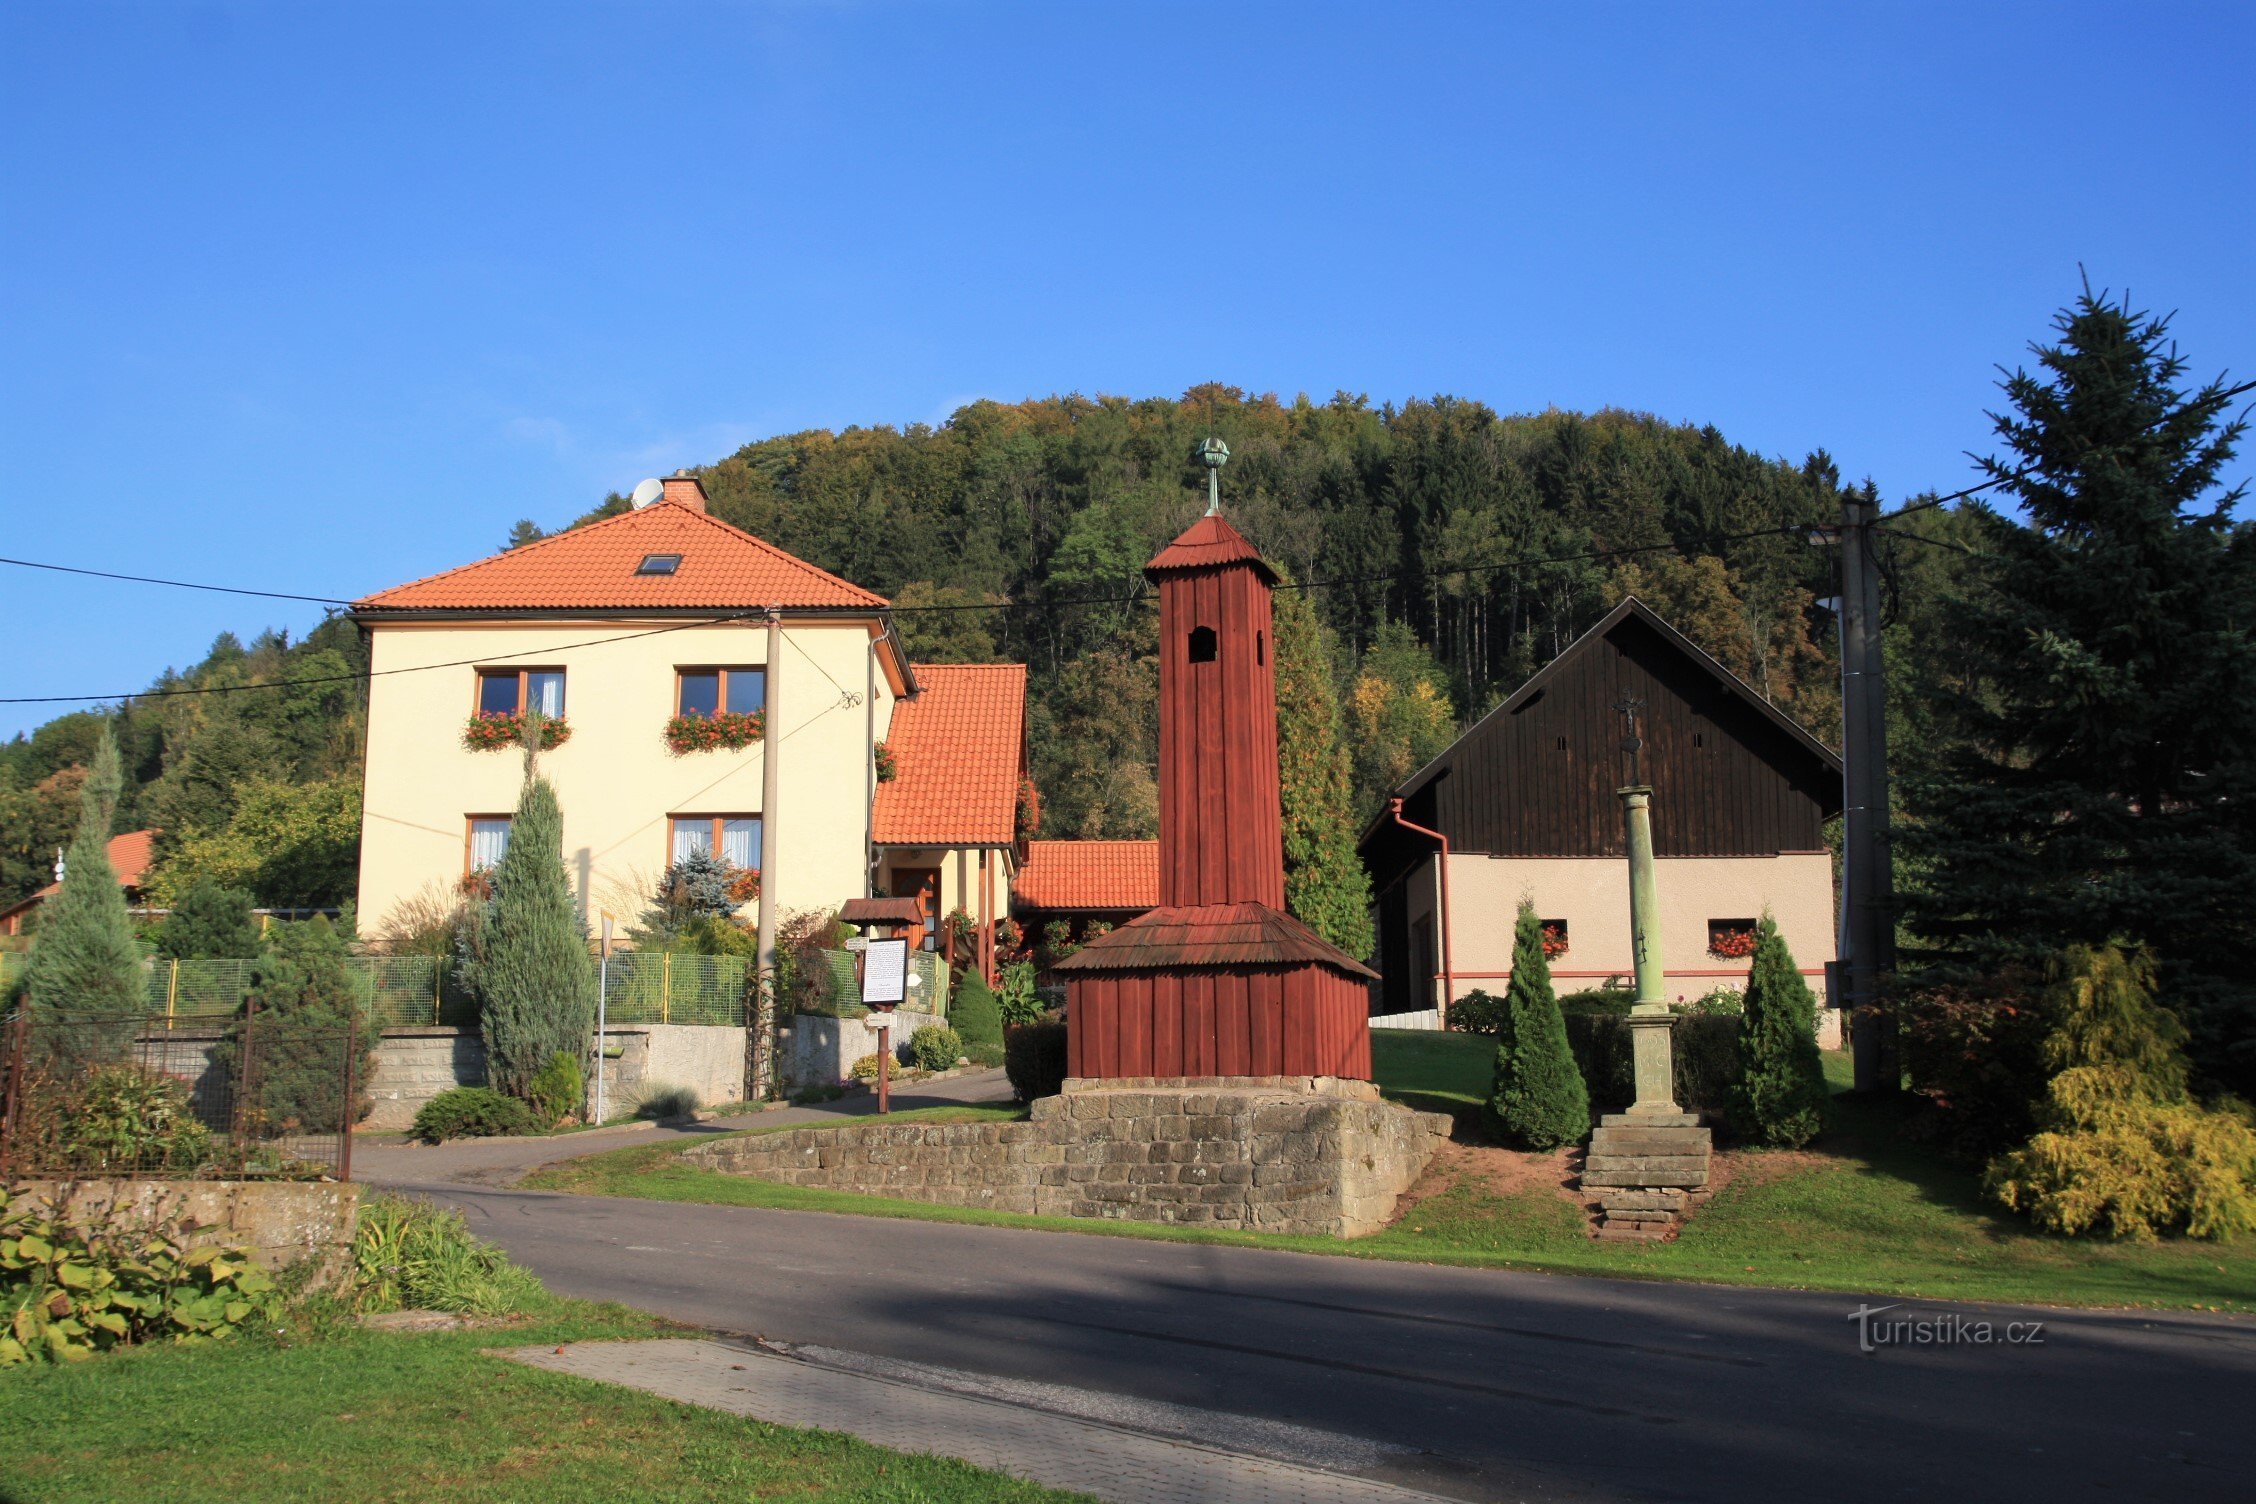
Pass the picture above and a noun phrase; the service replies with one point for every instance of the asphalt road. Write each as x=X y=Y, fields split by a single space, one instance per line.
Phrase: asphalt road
x=1506 y=1386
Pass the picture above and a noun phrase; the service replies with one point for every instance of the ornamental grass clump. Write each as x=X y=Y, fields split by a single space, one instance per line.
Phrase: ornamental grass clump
x=1781 y=1098
x=1539 y=1100
x=2123 y=1148
x=409 y=1255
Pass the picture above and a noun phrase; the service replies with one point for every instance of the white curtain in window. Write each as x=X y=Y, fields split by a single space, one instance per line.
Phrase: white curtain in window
x=692 y=837
x=488 y=840
x=740 y=842
x=547 y=691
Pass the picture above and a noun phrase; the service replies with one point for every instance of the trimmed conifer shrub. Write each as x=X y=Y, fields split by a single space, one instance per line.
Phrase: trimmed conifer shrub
x=974 y=1012
x=1539 y=1100
x=301 y=1010
x=209 y=923
x=1781 y=1096
x=85 y=962
x=559 y=1089
x=533 y=976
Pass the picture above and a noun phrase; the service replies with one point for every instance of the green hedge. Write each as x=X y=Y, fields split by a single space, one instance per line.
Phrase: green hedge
x=1707 y=1060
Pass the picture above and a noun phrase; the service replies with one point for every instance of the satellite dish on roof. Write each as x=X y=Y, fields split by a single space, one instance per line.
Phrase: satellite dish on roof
x=646 y=492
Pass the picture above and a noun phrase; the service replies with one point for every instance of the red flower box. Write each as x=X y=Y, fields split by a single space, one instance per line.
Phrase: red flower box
x=888 y=766
x=1731 y=942
x=490 y=730
x=1554 y=940
x=732 y=729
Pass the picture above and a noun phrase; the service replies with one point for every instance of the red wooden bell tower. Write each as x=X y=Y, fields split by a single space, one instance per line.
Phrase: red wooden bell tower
x=1218 y=980
x=1220 y=839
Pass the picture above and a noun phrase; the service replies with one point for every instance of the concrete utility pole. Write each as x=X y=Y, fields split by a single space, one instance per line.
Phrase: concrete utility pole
x=1868 y=909
x=764 y=998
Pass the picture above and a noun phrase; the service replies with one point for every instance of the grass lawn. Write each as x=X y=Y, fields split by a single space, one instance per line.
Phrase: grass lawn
x=1862 y=1211
x=424 y=1419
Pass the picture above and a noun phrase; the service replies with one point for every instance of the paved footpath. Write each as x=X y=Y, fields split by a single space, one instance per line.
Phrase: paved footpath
x=1113 y=1463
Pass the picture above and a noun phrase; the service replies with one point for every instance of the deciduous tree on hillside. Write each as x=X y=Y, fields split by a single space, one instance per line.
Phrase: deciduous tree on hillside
x=1326 y=887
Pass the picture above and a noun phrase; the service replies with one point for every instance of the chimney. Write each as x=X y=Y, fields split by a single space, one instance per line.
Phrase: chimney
x=686 y=490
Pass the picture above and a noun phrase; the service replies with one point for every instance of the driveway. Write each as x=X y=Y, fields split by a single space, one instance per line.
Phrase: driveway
x=1497 y=1385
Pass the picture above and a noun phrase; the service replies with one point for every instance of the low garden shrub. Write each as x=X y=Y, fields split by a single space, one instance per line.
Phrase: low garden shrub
x=67 y=1295
x=2124 y=1149
x=409 y=1255
x=1974 y=1049
x=1034 y=1059
x=1477 y=1012
x=1614 y=1000
x=938 y=1047
x=1018 y=999
x=1705 y=1049
x=864 y=1069
x=124 y=1118
x=557 y=1089
x=473 y=1112
x=662 y=1102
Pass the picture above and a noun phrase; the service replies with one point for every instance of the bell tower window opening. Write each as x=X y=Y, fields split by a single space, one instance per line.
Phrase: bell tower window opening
x=1261 y=647
x=1202 y=645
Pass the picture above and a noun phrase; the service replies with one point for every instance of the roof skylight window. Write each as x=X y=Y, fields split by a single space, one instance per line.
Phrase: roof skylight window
x=659 y=564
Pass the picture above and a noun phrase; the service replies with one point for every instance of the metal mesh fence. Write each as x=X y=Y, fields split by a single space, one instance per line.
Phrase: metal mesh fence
x=928 y=995
x=649 y=987
x=267 y=1097
x=396 y=991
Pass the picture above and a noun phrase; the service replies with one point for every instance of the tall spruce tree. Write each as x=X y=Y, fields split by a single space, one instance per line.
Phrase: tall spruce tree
x=2099 y=779
x=532 y=973
x=1781 y=1096
x=1539 y=1100
x=1326 y=887
x=85 y=961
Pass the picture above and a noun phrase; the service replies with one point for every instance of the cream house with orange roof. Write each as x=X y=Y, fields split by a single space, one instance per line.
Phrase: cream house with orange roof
x=949 y=828
x=677 y=656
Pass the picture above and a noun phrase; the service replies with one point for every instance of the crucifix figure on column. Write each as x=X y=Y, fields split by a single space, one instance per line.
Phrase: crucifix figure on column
x=1629 y=705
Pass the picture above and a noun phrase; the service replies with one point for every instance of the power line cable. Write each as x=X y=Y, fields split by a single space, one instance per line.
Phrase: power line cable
x=412 y=668
x=144 y=579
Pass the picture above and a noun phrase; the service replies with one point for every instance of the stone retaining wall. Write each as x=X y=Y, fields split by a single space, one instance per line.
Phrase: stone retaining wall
x=818 y=1050
x=280 y=1223
x=415 y=1065
x=1289 y=1154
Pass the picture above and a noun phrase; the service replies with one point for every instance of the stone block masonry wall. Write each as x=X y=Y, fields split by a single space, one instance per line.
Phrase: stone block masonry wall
x=282 y=1224
x=415 y=1065
x=1287 y=1154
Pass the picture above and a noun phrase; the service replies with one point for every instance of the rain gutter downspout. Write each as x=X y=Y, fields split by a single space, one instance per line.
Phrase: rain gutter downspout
x=1448 y=974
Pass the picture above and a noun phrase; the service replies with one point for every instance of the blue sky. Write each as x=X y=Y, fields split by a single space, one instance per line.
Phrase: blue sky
x=322 y=297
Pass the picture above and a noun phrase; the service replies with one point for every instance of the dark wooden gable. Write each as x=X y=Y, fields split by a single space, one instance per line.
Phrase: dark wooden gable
x=1731 y=775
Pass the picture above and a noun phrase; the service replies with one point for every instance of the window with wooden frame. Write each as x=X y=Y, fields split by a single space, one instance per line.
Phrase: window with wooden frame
x=507 y=691
x=485 y=841
x=735 y=838
x=708 y=691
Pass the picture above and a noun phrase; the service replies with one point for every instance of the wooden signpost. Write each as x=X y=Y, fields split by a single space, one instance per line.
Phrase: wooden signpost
x=885 y=967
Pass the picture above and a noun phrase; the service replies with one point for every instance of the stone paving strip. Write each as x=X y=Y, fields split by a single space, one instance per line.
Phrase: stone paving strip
x=1085 y=1456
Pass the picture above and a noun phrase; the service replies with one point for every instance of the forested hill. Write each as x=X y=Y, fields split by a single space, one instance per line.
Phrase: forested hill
x=1059 y=500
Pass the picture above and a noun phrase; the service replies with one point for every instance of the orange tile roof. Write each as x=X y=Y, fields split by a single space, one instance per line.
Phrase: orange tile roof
x=1206 y=543
x=960 y=745
x=1089 y=875
x=593 y=567
x=129 y=855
